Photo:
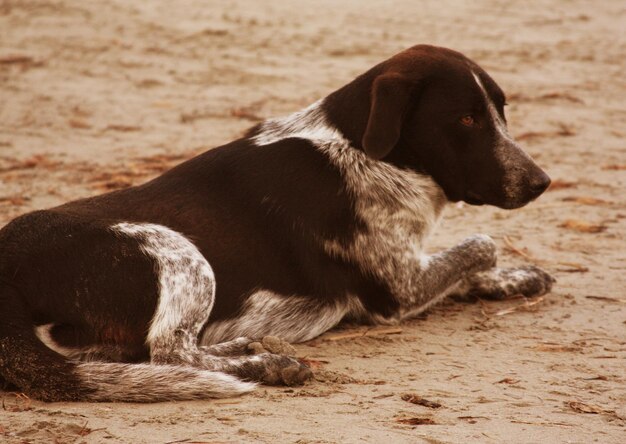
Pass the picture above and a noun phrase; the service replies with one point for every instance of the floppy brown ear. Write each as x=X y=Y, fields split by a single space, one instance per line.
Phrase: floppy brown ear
x=389 y=101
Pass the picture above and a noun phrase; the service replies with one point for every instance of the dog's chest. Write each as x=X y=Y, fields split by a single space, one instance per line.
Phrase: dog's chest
x=397 y=210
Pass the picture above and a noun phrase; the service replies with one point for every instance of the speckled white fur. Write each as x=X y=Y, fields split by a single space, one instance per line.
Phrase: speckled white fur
x=186 y=297
x=292 y=318
x=186 y=280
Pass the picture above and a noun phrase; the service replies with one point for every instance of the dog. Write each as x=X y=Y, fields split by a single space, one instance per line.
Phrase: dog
x=157 y=292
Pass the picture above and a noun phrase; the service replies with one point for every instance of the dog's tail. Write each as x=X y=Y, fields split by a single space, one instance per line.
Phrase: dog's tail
x=42 y=373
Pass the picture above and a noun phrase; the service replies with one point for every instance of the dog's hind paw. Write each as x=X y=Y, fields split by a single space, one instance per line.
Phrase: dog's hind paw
x=502 y=283
x=272 y=344
x=273 y=369
x=296 y=374
x=281 y=366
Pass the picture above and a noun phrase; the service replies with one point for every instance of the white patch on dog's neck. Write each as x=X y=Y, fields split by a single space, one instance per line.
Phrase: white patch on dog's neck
x=363 y=175
x=309 y=123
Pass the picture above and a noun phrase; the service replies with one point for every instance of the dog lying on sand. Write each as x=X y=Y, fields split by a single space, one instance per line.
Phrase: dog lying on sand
x=156 y=292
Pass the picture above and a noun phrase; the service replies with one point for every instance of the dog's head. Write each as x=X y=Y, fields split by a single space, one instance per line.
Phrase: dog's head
x=434 y=110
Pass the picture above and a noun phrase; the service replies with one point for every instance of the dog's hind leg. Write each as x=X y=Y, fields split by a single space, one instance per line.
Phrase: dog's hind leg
x=97 y=287
x=236 y=347
x=246 y=346
x=186 y=297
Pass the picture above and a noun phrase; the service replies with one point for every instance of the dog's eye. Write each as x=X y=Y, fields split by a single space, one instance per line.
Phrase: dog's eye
x=468 y=120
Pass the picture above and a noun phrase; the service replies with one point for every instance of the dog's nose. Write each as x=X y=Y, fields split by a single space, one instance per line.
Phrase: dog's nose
x=539 y=183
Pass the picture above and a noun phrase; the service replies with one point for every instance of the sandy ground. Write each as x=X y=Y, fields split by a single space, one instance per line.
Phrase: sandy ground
x=97 y=95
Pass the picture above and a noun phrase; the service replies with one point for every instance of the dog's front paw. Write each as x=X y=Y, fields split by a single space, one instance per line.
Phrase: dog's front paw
x=502 y=283
x=480 y=251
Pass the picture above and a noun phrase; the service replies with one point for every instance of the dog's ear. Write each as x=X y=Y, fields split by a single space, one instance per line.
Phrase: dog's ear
x=389 y=101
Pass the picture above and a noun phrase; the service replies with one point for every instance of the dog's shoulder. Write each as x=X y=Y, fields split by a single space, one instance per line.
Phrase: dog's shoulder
x=389 y=206
x=366 y=178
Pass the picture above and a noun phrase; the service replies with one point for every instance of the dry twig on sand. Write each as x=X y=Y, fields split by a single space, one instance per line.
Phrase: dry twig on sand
x=527 y=304
x=416 y=399
x=416 y=421
x=607 y=299
x=362 y=334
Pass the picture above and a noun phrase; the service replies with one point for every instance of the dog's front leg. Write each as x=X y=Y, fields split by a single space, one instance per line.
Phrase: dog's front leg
x=468 y=270
x=502 y=283
x=430 y=279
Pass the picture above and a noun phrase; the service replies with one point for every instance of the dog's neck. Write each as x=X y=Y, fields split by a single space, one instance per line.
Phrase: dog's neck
x=310 y=124
x=367 y=179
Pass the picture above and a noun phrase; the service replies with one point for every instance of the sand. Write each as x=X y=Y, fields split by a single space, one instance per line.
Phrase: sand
x=98 y=95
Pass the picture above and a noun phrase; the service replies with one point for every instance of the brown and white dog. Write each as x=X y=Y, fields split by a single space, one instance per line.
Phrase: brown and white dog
x=155 y=292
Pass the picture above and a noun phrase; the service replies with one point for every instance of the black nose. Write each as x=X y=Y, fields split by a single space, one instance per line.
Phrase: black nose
x=539 y=183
